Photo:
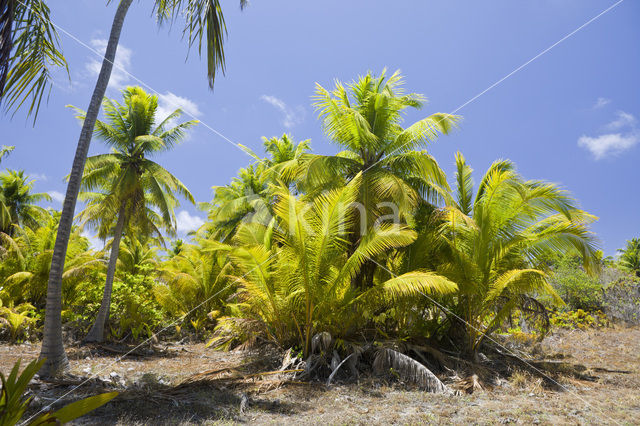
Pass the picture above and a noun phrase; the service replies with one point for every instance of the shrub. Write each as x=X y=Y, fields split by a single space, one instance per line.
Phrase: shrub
x=578 y=289
x=522 y=337
x=19 y=321
x=622 y=299
x=134 y=312
x=578 y=319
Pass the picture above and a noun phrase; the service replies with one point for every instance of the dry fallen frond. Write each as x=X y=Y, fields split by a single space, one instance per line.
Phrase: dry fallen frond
x=408 y=369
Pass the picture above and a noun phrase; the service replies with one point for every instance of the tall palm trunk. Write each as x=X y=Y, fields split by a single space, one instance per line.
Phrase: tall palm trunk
x=52 y=346
x=96 y=334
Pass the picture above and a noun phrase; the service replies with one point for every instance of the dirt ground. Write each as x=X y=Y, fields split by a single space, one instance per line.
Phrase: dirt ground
x=189 y=384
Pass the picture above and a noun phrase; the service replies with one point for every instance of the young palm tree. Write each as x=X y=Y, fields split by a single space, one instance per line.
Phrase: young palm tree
x=204 y=21
x=4 y=213
x=196 y=282
x=17 y=202
x=495 y=240
x=284 y=158
x=247 y=198
x=136 y=255
x=25 y=269
x=129 y=188
x=295 y=277
x=365 y=119
x=630 y=256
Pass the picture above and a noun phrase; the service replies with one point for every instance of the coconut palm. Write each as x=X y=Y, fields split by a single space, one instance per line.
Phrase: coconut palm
x=284 y=157
x=204 y=22
x=195 y=282
x=295 y=277
x=29 y=50
x=25 y=269
x=247 y=197
x=4 y=213
x=136 y=256
x=125 y=189
x=365 y=118
x=629 y=259
x=17 y=202
x=495 y=240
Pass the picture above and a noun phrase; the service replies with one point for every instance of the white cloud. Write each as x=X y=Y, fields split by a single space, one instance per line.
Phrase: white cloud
x=169 y=102
x=290 y=116
x=186 y=222
x=38 y=176
x=56 y=196
x=624 y=120
x=119 y=77
x=601 y=102
x=609 y=144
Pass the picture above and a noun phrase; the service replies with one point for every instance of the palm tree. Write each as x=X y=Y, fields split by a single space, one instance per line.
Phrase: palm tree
x=204 y=21
x=630 y=256
x=495 y=240
x=29 y=49
x=365 y=119
x=136 y=256
x=5 y=150
x=247 y=197
x=284 y=157
x=295 y=277
x=25 y=269
x=125 y=186
x=17 y=202
x=195 y=282
x=4 y=213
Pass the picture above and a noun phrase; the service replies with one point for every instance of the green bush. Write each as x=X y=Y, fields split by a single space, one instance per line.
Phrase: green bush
x=134 y=312
x=578 y=319
x=18 y=322
x=134 y=309
x=578 y=289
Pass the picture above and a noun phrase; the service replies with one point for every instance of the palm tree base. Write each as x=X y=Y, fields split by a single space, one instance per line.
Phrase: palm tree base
x=53 y=367
x=93 y=336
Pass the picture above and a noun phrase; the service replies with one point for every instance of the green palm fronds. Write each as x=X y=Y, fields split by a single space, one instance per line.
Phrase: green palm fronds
x=25 y=268
x=303 y=283
x=630 y=256
x=127 y=178
x=29 y=51
x=248 y=198
x=492 y=245
x=195 y=282
x=18 y=203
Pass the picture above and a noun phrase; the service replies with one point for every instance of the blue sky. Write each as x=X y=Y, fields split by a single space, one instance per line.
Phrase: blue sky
x=569 y=117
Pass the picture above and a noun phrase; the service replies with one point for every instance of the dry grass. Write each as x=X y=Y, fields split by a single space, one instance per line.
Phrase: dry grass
x=242 y=396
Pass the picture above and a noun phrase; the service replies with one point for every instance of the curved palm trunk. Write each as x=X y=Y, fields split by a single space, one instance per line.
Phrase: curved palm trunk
x=52 y=347
x=96 y=334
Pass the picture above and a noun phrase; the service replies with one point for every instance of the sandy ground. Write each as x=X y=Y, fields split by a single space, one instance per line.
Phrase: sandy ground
x=614 y=398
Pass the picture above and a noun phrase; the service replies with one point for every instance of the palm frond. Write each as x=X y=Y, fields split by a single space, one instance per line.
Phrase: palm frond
x=29 y=51
x=408 y=368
